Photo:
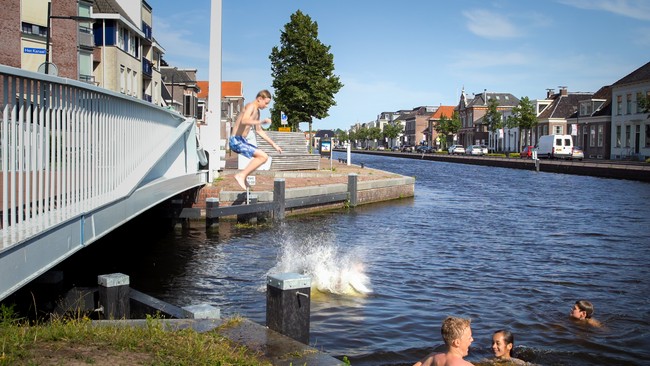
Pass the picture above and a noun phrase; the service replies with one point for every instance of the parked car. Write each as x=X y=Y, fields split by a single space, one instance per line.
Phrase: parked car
x=407 y=148
x=577 y=153
x=485 y=149
x=475 y=150
x=527 y=152
x=381 y=148
x=394 y=148
x=456 y=149
x=424 y=149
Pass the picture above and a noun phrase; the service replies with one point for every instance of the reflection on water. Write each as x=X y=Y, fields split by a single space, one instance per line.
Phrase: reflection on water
x=507 y=248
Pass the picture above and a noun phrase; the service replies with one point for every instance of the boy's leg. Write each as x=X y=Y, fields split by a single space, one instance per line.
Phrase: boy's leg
x=259 y=158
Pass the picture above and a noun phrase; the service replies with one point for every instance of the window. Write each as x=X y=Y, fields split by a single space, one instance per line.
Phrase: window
x=618 y=136
x=134 y=91
x=628 y=134
x=567 y=142
x=592 y=135
x=639 y=97
x=128 y=81
x=628 y=104
x=187 y=110
x=585 y=136
x=619 y=104
x=647 y=135
x=557 y=130
x=122 y=79
x=545 y=130
x=601 y=136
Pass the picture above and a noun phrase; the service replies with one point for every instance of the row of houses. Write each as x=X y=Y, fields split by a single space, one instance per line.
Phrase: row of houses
x=109 y=44
x=607 y=124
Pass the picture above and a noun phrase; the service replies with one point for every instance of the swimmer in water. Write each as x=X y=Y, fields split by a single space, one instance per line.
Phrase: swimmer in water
x=582 y=311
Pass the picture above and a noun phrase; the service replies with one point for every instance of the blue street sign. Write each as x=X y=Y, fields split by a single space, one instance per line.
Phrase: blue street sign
x=36 y=51
x=283 y=118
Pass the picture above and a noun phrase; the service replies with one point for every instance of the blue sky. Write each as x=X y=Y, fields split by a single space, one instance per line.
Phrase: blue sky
x=400 y=55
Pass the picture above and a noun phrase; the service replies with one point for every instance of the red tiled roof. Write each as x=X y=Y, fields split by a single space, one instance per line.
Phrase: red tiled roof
x=228 y=89
x=446 y=110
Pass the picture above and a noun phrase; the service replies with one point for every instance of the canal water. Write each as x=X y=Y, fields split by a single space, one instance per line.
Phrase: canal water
x=507 y=248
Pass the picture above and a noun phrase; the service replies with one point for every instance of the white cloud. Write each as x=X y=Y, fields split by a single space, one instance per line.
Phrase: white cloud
x=488 y=59
x=636 y=9
x=491 y=25
x=179 y=43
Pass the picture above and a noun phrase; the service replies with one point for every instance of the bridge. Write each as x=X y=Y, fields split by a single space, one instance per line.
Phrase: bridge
x=78 y=161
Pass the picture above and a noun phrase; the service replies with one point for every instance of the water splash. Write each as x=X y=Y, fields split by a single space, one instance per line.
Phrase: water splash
x=331 y=269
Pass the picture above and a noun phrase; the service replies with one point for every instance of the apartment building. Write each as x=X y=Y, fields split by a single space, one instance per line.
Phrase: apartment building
x=67 y=45
x=127 y=58
x=471 y=112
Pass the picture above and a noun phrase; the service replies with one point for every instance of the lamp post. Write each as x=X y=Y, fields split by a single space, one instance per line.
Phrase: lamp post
x=47 y=34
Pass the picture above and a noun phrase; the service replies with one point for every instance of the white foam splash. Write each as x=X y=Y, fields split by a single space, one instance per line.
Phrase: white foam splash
x=331 y=270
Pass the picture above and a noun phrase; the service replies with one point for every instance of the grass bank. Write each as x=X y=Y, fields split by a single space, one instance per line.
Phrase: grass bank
x=79 y=342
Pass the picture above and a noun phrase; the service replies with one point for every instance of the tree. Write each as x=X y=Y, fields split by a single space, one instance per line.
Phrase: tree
x=448 y=127
x=524 y=118
x=644 y=104
x=392 y=130
x=341 y=135
x=303 y=74
x=374 y=133
x=493 y=118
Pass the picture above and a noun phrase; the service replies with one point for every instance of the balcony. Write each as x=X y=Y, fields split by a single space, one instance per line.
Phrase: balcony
x=147 y=67
x=90 y=79
x=147 y=97
x=146 y=29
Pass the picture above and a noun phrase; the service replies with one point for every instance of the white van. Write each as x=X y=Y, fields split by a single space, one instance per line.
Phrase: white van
x=554 y=146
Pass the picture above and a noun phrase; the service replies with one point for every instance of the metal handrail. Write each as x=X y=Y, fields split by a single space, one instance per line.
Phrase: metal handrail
x=67 y=147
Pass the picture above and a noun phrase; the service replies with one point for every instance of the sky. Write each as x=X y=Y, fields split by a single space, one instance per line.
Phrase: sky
x=400 y=55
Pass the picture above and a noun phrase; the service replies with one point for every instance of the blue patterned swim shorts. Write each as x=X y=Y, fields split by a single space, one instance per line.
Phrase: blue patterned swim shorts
x=241 y=146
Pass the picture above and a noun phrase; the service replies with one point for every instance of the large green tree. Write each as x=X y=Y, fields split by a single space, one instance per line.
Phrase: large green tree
x=524 y=118
x=493 y=118
x=447 y=128
x=392 y=130
x=303 y=74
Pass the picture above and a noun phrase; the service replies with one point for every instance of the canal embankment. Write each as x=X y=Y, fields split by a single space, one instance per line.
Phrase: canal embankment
x=630 y=170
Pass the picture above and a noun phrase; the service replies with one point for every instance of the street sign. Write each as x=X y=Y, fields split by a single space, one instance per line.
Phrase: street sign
x=283 y=118
x=32 y=50
x=250 y=180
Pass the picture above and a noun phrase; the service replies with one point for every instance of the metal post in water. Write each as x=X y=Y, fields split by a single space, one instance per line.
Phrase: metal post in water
x=114 y=295
x=352 y=189
x=211 y=203
x=278 y=198
x=288 y=305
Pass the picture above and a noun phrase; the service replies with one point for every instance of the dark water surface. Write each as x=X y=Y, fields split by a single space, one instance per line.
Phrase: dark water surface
x=507 y=248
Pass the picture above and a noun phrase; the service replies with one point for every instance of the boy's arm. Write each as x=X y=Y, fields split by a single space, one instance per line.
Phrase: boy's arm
x=260 y=131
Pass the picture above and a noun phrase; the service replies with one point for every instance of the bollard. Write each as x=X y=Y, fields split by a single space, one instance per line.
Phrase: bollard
x=114 y=295
x=278 y=198
x=537 y=165
x=249 y=217
x=352 y=189
x=210 y=203
x=287 y=305
x=201 y=311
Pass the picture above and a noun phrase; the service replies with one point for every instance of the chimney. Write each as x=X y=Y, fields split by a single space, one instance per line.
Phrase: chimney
x=563 y=91
x=549 y=93
x=485 y=96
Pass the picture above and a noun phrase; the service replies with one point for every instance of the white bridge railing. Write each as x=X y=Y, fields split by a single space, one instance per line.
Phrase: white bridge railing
x=68 y=148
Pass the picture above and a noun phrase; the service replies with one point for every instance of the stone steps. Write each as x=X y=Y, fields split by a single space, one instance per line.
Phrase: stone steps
x=295 y=155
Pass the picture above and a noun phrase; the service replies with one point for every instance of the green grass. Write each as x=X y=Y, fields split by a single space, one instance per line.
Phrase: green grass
x=61 y=341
